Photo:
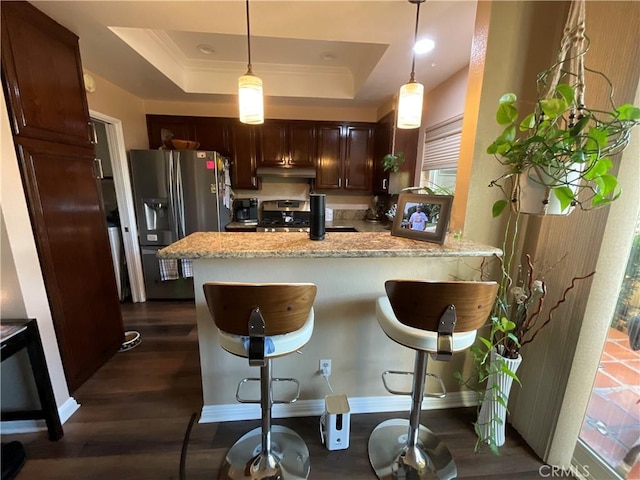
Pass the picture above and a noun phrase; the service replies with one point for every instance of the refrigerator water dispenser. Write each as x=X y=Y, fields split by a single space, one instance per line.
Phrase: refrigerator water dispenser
x=156 y=213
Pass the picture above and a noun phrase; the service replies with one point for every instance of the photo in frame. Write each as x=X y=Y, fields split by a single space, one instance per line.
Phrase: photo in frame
x=422 y=217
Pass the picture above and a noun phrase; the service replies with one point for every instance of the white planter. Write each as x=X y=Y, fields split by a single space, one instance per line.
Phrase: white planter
x=492 y=417
x=535 y=195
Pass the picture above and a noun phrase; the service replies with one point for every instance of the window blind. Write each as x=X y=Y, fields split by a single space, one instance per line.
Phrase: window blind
x=442 y=145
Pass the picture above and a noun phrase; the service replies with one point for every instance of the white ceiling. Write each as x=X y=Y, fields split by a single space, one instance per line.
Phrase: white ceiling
x=322 y=53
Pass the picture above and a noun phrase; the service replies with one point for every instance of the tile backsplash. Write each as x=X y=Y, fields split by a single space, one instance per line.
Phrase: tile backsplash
x=348 y=214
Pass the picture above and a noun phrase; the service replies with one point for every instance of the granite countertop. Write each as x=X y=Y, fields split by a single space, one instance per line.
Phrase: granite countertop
x=336 y=244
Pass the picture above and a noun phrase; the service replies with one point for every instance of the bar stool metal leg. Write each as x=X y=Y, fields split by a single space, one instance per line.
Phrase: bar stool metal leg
x=401 y=449
x=268 y=452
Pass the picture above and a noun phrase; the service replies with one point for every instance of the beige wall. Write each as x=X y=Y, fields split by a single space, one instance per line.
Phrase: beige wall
x=510 y=65
x=115 y=102
x=446 y=100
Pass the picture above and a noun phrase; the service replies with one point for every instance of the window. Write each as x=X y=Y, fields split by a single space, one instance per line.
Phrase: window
x=441 y=154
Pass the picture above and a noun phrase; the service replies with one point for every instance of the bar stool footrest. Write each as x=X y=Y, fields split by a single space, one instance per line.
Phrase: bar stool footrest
x=295 y=397
x=441 y=394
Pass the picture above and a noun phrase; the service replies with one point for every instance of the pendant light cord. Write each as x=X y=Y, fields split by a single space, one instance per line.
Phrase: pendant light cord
x=248 y=42
x=415 y=39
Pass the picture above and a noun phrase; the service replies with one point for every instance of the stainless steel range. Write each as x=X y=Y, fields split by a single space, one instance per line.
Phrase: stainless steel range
x=285 y=216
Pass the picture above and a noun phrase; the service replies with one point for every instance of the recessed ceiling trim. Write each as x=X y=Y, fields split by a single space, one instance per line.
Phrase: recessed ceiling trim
x=146 y=43
x=220 y=77
x=275 y=69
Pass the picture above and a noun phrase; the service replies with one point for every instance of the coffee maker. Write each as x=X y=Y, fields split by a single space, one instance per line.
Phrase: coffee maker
x=245 y=210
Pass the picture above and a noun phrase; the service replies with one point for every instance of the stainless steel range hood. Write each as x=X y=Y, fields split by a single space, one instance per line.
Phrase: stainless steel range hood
x=295 y=172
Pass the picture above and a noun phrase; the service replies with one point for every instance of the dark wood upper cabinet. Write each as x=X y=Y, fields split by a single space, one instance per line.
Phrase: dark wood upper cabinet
x=330 y=155
x=42 y=77
x=274 y=148
x=213 y=134
x=181 y=127
x=345 y=157
x=245 y=139
x=358 y=158
x=342 y=152
x=44 y=90
x=287 y=144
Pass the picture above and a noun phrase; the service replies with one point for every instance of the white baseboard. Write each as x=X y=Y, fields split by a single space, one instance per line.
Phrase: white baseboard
x=310 y=408
x=67 y=409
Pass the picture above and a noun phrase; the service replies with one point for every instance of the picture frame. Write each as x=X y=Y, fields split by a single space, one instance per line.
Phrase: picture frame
x=432 y=207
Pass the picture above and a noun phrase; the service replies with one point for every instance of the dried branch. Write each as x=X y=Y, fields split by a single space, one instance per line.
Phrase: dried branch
x=561 y=301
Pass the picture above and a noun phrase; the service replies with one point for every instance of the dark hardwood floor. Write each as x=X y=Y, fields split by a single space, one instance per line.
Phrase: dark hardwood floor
x=137 y=409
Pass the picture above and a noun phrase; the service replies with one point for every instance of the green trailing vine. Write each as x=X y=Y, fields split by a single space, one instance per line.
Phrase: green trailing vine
x=392 y=162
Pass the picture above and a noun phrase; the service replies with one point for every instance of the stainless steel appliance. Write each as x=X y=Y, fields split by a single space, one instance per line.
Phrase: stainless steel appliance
x=177 y=192
x=245 y=210
x=285 y=216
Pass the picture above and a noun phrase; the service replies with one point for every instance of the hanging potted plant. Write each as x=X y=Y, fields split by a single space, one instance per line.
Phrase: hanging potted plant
x=558 y=155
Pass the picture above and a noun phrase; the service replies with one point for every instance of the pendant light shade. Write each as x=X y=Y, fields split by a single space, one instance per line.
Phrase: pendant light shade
x=250 y=97
x=411 y=93
x=410 y=105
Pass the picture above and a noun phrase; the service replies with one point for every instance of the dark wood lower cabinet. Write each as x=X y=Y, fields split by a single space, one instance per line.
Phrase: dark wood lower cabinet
x=71 y=236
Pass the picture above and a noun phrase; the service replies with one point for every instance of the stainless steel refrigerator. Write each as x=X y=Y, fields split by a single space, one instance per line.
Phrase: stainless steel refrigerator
x=177 y=192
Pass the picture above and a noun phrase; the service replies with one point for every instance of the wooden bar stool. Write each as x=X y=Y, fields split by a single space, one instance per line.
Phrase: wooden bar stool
x=260 y=322
x=436 y=318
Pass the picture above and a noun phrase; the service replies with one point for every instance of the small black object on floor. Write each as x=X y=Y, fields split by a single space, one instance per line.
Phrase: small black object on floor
x=13 y=458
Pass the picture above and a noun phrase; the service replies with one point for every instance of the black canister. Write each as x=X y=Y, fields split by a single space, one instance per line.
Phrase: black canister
x=316 y=230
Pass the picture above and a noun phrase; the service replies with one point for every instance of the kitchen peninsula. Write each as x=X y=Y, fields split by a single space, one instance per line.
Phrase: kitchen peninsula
x=349 y=270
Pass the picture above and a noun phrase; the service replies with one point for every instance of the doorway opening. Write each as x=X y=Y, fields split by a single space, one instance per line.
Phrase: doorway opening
x=118 y=202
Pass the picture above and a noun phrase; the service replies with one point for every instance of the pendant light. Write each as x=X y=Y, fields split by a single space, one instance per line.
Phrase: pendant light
x=412 y=92
x=250 y=99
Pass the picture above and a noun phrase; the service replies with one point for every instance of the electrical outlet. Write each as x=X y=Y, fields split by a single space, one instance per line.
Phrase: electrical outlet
x=325 y=367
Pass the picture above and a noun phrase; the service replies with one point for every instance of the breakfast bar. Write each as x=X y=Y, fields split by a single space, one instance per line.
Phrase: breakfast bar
x=349 y=270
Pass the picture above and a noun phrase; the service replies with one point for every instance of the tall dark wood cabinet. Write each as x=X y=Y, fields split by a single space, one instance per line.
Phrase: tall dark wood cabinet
x=44 y=89
x=389 y=139
x=382 y=146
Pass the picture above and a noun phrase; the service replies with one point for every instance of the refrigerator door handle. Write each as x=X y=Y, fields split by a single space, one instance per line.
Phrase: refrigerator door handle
x=179 y=199
x=219 y=187
x=172 y=197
